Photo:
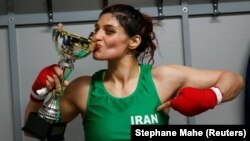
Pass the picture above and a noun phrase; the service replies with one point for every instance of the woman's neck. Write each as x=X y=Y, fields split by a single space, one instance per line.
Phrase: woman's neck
x=122 y=71
x=121 y=79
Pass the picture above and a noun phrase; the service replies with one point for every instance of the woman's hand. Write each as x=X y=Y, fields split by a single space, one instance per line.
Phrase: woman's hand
x=60 y=26
x=47 y=80
x=54 y=81
x=193 y=101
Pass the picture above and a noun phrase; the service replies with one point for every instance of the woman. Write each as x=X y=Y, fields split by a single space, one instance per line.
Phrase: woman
x=129 y=92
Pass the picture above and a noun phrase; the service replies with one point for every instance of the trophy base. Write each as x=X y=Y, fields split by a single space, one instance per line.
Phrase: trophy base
x=41 y=129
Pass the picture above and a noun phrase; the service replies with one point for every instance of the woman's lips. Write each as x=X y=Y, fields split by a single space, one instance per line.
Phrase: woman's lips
x=97 y=46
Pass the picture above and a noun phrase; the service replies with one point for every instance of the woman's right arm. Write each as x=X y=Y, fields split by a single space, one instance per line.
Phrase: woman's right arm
x=45 y=79
x=74 y=99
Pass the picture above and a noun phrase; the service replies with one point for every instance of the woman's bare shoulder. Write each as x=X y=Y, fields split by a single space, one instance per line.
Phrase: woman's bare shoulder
x=168 y=79
x=77 y=91
x=169 y=75
x=171 y=70
x=79 y=85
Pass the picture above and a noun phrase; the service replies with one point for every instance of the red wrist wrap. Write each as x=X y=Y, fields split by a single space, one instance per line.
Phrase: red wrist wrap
x=40 y=82
x=193 y=101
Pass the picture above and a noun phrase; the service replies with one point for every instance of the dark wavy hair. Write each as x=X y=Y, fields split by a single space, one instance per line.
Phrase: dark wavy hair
x=135 y=23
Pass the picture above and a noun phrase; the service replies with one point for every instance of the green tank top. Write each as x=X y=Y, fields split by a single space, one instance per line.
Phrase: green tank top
x=109 y=118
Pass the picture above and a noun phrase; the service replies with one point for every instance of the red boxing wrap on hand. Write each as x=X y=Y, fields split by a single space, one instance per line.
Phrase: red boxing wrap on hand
x=193 y=101
x=40 y=82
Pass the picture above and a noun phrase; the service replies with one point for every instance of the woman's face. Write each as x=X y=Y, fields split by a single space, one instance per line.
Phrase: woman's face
x=111 y=39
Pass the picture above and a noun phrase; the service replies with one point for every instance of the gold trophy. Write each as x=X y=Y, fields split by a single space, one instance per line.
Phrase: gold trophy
x=46 y=123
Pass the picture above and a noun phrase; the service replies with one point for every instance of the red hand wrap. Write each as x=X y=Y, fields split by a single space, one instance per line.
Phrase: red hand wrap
x=40 y=82
x=193 y=101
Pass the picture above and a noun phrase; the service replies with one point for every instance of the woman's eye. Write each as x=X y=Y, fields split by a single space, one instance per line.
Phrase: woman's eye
x=109 y=31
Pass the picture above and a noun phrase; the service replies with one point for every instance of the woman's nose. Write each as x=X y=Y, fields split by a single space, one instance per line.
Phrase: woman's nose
x=97 y=36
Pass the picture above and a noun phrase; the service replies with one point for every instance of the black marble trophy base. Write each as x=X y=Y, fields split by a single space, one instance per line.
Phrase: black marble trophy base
x=43 y=130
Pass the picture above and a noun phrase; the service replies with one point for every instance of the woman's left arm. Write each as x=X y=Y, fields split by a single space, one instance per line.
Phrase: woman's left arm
x=228 y=82
x=201 y=90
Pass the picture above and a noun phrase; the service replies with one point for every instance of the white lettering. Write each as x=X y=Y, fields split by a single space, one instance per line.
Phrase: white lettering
x=146 y=119
x=193 y=132
x=213 y=132
x=154 y=119
x=138 y=120
x=154 y=133
x=132 y=120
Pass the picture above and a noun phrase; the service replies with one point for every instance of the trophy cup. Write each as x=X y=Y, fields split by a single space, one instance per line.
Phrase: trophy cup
x=46 y=123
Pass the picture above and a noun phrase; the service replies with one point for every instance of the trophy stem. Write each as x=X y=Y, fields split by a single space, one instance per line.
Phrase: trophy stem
x=67 y=72
x=67 y=65
x=51 y=110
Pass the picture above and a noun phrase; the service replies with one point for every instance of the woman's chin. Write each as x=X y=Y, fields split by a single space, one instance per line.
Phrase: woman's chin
x=98 y=58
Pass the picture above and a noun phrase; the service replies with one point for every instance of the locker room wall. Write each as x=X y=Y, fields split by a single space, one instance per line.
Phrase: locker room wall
x=221 y=42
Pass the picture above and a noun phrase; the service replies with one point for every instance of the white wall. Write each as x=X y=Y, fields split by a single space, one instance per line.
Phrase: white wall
x=221 y=43
x=6 y=115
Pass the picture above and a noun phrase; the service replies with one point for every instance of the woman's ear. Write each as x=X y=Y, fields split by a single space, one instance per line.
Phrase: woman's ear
x=134 y=42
